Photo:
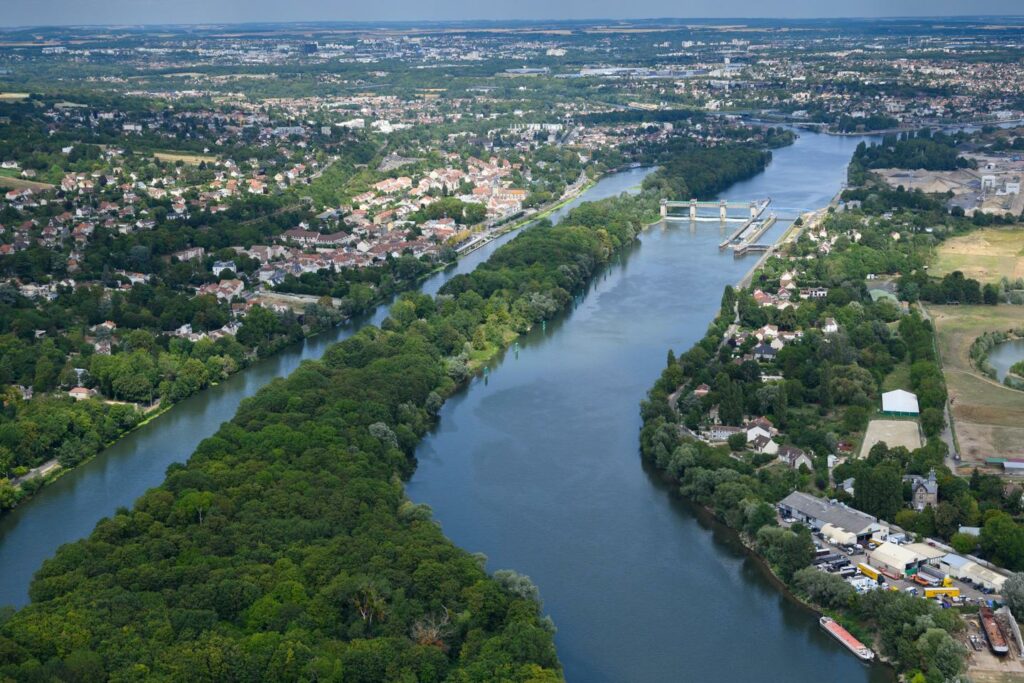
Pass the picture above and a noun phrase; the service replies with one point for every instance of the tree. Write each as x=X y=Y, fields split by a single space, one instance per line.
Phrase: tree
x=932 y=421
x=1002 y=540
x=940 y=653
x=827 y=590
x=879 y=491
x=1013 y=594
x=964 y=543
x=786 y=550
x=738 y=441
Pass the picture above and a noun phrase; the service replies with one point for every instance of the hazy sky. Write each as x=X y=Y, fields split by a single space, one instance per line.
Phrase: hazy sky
x=48 y=12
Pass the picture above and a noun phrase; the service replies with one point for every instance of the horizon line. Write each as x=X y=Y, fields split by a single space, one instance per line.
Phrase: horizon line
x=565 y=20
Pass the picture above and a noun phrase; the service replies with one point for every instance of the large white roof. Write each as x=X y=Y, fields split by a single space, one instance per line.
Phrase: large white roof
x=899 y=401
x=894 y=555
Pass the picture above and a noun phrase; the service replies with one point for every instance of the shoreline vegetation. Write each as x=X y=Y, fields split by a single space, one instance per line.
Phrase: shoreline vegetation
x=286 y=546
x=710 y=478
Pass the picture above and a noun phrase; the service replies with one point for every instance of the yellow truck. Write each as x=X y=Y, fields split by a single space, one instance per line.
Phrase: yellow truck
x=936 y=592
x=868 y=571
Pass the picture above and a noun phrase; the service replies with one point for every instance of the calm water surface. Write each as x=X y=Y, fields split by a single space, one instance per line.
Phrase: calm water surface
x=1006 y=354
x=538 y=468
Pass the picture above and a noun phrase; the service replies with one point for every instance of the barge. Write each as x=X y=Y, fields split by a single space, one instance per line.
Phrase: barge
x=846 y=638
x=993 y=633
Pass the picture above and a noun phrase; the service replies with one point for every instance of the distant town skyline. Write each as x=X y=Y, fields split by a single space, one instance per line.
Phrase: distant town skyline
x=130 y=12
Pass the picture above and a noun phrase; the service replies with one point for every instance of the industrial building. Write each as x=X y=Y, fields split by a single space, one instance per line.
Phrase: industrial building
x=965 y=569
x=895 y=559
x=840 y=523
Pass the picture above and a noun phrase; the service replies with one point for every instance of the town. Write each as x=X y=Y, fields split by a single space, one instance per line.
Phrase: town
x=284 y=307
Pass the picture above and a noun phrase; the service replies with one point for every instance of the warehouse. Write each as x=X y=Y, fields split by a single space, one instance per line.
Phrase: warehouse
x=823 y=515
x=900 y=402
x=968 y=570
x=894 y=559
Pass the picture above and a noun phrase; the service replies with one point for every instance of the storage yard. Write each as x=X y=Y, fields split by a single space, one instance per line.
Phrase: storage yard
x=871 y=554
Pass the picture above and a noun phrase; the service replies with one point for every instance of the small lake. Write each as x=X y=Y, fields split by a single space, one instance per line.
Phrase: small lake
x=1002 y=356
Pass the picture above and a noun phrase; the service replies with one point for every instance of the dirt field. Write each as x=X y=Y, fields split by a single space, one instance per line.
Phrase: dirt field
x=193 y=159
x=985 y=255
x=13 y=96
x=893 y=433
x=988 y=417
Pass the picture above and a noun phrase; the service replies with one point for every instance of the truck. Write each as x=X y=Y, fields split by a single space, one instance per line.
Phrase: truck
x=868 y=571
x=936 y=592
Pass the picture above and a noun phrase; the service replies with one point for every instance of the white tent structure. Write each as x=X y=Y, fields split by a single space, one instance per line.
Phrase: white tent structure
x=838 y=535
x=900 y=402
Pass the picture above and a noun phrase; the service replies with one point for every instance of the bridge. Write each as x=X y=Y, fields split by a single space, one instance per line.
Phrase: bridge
x=756 y=208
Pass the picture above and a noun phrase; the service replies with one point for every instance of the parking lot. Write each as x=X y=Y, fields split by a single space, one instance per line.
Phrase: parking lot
x=969 y=595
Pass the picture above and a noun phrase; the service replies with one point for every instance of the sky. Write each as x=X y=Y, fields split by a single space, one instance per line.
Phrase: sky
x=64 y=12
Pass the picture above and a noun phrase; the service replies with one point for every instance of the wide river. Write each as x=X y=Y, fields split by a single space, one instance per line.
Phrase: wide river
x=538 y=467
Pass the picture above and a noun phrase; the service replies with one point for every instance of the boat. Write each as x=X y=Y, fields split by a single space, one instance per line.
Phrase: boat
x=993 y=633
x=846 y=638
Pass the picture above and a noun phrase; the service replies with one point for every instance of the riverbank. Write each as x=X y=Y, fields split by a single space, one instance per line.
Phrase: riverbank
x=741 y=484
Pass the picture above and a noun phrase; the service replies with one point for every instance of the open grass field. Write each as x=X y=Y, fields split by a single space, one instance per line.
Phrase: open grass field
x=988 y=417
x=985 y=255
x=893 y=432
x=10 y=183
x=13 y=96
x=193 y=159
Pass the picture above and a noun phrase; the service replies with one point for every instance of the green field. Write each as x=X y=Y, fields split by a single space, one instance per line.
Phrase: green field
x=989 y=417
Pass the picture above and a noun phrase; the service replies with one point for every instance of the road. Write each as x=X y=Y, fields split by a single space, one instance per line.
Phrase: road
x=36 y=472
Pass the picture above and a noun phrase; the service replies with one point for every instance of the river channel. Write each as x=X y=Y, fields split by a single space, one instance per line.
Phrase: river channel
x=538 y=468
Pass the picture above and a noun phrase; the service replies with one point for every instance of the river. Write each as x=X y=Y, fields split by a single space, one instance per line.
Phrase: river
x=538 y=468
x=70 y=507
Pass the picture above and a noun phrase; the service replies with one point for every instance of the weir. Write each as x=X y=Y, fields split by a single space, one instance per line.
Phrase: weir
x=694 y=206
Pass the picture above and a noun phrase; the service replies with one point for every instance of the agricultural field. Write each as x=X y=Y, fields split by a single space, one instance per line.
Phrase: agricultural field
x=985 y=255
x=13 y=96
x=988 y=416
x=894 y=433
